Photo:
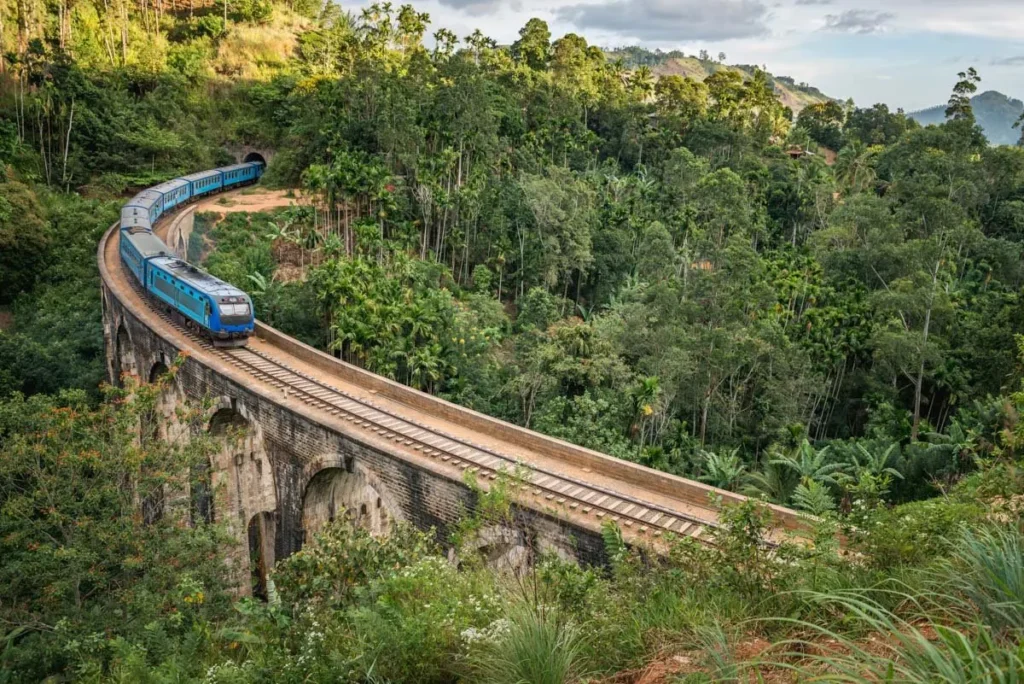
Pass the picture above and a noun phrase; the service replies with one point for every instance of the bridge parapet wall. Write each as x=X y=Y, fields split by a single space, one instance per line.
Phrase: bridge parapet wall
x=586 y=459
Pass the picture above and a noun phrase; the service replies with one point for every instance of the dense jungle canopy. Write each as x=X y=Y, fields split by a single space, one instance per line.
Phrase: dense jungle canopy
x=817 y=308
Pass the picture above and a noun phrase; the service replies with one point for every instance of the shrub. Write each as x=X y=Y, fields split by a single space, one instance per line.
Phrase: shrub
x=915 y=533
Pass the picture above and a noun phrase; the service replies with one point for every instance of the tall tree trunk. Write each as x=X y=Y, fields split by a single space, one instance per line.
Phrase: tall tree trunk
x=919 y=380
x=124 y=32
x=67 y=146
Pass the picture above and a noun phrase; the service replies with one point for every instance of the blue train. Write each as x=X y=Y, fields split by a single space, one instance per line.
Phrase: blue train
x=217 y=309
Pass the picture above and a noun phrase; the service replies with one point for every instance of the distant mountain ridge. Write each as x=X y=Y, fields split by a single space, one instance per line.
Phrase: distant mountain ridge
x=794 y=95
x=996 y=113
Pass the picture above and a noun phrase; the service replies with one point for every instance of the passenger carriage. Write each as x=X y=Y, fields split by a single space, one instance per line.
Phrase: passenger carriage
x=173 y=193
x=204 y=182
x=241 y=174
x=221 y=311
x=142 y=211
x=136 y=248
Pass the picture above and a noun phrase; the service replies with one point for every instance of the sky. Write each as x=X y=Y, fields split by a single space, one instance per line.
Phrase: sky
x=905 y=53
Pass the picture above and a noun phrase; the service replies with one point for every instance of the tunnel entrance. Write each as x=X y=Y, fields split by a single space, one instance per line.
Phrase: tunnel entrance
x=255 y=157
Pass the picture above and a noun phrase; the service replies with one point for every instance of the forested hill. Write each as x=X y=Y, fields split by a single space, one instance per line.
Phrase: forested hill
x=996 y=113
x=794 y=95
x=662 y=269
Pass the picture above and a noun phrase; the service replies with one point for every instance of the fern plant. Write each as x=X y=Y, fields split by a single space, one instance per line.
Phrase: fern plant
x=814 y=498
x=614 y=544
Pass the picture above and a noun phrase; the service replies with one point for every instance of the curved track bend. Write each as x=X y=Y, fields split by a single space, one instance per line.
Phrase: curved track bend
x=570 y=482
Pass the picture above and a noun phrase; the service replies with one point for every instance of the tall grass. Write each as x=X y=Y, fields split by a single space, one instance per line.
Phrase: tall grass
x=877 y=645
x=987 y=567
x=537 y=647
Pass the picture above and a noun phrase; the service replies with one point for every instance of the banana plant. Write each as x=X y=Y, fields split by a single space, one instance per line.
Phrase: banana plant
x=723 y=470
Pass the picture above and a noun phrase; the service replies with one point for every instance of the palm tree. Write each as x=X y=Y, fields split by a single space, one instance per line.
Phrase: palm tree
x=333 y=246
x=425 y=366
x=310 y=240
x=956 y=448
x=799 y=137
x=641 y=82
x=853 y=167
x=279 y=232
x=774 y=483
x=876 y=463
x=723 y=470
x=810 y=464
x=644 y=395
x=265 y=294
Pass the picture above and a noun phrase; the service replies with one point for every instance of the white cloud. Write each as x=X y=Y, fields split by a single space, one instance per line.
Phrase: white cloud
x=908 y=65
x=671 y=20
x=858 y=21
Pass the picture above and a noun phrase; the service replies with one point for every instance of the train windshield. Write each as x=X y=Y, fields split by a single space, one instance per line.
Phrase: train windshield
x=234 y=309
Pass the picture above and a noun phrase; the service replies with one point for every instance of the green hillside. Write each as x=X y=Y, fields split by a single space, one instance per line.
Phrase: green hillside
x=996 y=113
x=794 y=95
x=657 y=270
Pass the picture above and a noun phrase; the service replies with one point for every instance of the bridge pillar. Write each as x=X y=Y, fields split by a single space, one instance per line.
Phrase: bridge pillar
x=238 y=488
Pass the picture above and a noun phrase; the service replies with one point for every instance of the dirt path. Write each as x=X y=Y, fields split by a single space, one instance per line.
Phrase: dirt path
x=249 y=200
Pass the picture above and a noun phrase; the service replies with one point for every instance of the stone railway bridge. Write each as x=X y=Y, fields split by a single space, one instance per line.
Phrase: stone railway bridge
x=321 y=436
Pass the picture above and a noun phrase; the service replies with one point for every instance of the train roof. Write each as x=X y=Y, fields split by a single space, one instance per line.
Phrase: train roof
x=237 y=167
x=149 y=245
x=193 y=177
x=145 y=199
x=201 y=280
x=168 y=186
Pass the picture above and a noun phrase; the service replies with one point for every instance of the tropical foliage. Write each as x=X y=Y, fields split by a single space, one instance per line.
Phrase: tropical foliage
x=668 y=270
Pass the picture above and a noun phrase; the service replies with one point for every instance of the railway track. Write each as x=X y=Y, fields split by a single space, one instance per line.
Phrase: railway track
x=557 y=492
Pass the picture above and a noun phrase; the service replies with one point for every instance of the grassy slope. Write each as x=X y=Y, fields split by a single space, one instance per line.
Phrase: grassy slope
x=793 y=96
x=251 y=52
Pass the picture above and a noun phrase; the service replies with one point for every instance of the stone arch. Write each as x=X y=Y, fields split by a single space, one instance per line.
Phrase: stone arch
x=124 y=355
x=346 y=490
x=502 y=547
x=158 y=369
x=254 y=157
x=261 y=534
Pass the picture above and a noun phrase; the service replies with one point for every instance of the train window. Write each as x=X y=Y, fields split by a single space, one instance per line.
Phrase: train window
x=234 y=309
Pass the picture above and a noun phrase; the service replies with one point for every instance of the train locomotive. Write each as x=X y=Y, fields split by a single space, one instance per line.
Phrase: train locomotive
x=216 y=309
